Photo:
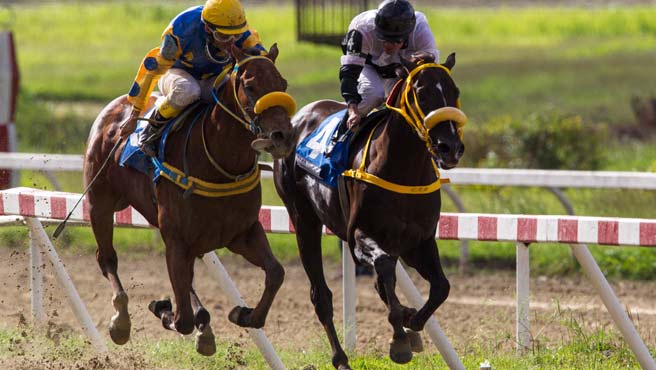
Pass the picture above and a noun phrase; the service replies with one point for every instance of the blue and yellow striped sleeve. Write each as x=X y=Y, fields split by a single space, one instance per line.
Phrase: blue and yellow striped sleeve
x=154 y=65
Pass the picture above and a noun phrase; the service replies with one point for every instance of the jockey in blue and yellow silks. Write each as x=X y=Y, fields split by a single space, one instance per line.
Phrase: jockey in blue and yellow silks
x=193 y=53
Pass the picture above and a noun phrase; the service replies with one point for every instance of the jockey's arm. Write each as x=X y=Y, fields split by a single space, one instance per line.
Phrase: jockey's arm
x=352 y=62
x=154 y=65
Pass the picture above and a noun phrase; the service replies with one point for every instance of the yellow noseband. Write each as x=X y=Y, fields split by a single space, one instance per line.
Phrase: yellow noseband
x=276 y=98
x=445 y=114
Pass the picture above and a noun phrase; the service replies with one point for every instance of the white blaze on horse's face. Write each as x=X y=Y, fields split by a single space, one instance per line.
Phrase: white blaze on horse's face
x=452 y=125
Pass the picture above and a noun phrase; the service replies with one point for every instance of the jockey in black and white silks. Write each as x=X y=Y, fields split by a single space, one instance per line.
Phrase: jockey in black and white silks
x=375 y=42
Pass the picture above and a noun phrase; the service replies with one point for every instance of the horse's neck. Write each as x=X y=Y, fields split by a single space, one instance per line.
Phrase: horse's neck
x=227 y=140
x=402 y=156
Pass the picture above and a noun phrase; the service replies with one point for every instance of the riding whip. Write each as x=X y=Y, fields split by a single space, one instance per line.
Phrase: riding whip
x=62 y=225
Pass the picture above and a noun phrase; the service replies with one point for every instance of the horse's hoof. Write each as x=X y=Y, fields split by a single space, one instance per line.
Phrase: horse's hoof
x=344 y=367
x=157 y=307
x=242 y=316
x=205 y=344
x=416 y=344
x=400 y=350
x=119 y=325
x=119 y=328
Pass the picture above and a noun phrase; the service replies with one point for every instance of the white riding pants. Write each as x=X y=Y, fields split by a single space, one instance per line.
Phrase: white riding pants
x=373 y=89
x=181 y=88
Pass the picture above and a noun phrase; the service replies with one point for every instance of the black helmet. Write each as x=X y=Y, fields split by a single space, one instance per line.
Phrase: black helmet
x=395 y=19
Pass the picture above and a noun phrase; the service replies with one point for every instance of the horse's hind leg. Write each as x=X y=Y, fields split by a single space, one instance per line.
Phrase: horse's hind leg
x=205 y=343
x=102 y=223
x=308 y=237
x=254 y=246
x=385 y=266
x=426 y=260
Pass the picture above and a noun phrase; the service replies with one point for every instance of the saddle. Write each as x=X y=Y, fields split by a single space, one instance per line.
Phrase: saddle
x=325 y=158
x=133 y=157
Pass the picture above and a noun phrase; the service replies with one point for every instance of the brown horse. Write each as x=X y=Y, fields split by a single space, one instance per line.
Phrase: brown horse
x=220 y=147
x=387 y=208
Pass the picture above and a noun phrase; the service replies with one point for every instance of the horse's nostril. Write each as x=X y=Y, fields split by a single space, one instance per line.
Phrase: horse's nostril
x=443 y=148
x=461 y=150
x=277 y=136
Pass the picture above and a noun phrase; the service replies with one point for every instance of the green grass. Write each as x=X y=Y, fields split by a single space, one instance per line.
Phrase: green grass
x=582 y=349
x=509 y=60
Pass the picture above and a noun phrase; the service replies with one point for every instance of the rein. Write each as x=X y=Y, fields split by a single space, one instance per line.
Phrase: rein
x=240 y=183
x=272 y=99
x=422 y=124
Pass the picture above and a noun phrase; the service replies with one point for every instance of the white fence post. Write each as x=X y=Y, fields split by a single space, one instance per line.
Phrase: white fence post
x=219 y=273
x=36 y=281
x=523 y=331
x=349 y=297
x=65 y=281
x=613 y=306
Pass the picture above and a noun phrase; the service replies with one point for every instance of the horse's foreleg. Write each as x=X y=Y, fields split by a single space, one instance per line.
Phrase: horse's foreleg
x=385 y=266
x=102 y=224
x=308 y=237
x=205 y=343
x=254 y=246
x=426 y=260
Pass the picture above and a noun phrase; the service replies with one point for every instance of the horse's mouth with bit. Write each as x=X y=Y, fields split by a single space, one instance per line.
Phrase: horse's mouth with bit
x=448 y=161
x=276 y=148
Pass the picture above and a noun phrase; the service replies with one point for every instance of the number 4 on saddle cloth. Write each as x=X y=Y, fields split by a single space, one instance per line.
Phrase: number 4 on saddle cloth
x=325 y=157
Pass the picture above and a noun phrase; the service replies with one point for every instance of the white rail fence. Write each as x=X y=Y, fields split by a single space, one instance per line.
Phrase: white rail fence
x=458 y=176
x=553 y=180
x=35 y=206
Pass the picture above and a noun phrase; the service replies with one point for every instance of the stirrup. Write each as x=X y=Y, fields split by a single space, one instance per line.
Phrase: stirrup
x=149 y=137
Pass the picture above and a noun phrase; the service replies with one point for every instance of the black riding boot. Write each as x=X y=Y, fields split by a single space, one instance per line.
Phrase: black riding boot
x=150 y=135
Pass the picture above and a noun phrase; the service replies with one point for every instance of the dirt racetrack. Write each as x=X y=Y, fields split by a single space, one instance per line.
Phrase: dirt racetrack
x=480 y=308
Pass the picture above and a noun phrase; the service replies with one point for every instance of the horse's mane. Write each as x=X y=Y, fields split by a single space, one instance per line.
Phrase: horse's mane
x=411 y=63
x=422 y=57
x=253 y=51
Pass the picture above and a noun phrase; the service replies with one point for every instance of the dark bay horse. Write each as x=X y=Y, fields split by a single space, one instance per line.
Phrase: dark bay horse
x=252 y=112
x=389 y=202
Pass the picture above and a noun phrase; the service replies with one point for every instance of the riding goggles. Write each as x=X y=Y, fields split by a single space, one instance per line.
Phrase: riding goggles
x=393 y=41
x=221 y=37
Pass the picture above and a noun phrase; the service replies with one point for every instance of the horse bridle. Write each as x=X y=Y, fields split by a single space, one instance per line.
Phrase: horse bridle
x=269 y=100
x=414 y=115
x=422 y=124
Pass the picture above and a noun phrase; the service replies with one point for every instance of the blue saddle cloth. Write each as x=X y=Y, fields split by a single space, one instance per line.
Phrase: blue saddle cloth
x=133 y=157
x=311 y=152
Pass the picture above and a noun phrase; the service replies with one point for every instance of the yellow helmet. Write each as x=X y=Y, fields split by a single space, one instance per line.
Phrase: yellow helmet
x=225 y=16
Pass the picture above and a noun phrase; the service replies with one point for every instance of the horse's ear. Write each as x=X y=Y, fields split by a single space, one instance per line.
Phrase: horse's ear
x=422 y=57
x=450 y=61
x=273 y=52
